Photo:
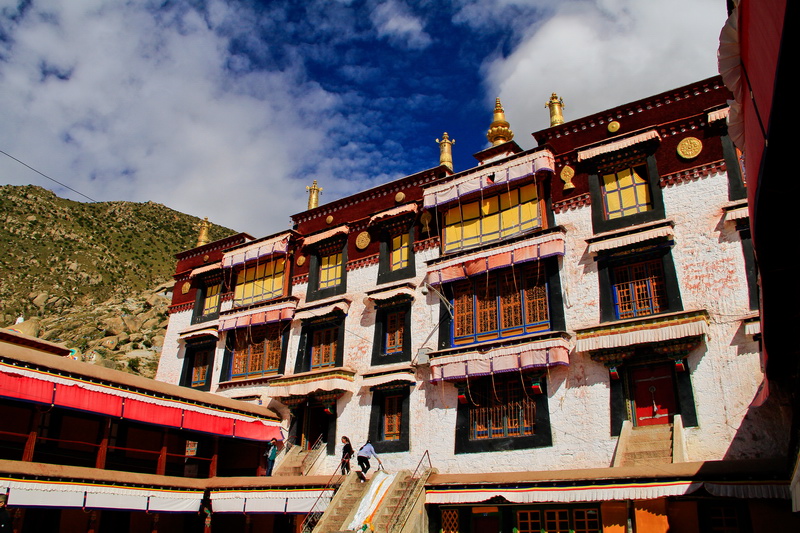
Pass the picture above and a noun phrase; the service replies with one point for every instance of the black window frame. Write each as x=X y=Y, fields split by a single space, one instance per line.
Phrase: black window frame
x=387 y=232
x=379 y=357
x=376 y=419
x=599 y=222
x=541 y=438
x=606 y=263
x=315 y=259
x=309 y=327
x=191 y=350
x=200 y=297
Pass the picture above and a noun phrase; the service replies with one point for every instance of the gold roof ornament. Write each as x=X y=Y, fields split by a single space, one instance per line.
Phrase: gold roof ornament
x=499 y=132
x=202 y=235
x=313 y=195
x=556 y=106
x=446 y=151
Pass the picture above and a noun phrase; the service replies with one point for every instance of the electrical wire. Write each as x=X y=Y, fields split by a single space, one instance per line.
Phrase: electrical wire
x=46 y=176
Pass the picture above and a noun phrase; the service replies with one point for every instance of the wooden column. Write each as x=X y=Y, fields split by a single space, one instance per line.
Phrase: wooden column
x=18 y=519
x=33 y=434
x=161 y=467
x=93 y=523
x=212 y=467
x=102 y=451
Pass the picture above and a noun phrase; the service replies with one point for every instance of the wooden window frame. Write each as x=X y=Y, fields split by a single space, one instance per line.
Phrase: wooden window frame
x=260 y=343
x=501 y=304
x=540 y=436
x=272 y=282
x=336 y=247
x=194 y=352
x=202 y=312
x=380 y=354
x=541 y=518
x=487 y=216
x=304 y=361
x=400 y=395
x=388 y=271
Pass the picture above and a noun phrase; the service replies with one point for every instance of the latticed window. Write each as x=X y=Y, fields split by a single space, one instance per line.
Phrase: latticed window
x=211 y=300
x=200 y=365
x=399 y=252
x=259 y=282
x=626 y=192
x=256 y=352
x=499 y=304
x=558 y=521
x=330 y=270
x=500 y=407
x=639 y=289
x=449 y=520
x=724 y=519
x=492 y=218
x=395 y=331
x=323 y=347
x=392 y=416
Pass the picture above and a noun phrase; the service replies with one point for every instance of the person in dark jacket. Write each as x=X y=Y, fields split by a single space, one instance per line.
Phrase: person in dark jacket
x=271 y=454
x=347 y=453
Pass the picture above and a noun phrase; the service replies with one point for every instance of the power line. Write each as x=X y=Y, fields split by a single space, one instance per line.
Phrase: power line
x=46 y=176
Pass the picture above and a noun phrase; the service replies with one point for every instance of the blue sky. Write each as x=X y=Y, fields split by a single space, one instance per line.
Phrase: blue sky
x=229 y=109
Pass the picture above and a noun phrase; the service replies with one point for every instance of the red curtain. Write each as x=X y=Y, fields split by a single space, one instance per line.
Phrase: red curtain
x=25 y=388
x=256 y=430
x=151 y=413
x=207 y=423
x=75 y=397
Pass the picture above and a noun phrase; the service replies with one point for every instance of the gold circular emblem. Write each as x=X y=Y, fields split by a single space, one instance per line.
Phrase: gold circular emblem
x=567 y=173
x=329 y=219
x=301 y=260
x=205 y=258
x=690 y=147
x=613 y=126
x=363 y=240
x=185 y=288
x=399 y=197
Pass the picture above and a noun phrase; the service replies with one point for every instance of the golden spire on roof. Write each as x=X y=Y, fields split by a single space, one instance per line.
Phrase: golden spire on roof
x=446 y=151
x=499 y=132
x=556 y=106
x=313 y=195
x=202 y=235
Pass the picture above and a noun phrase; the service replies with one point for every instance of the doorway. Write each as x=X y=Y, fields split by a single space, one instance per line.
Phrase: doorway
x=653 y=392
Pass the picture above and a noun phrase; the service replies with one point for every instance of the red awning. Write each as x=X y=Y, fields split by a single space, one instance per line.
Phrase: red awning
x=257 y=250
x=319 y=237
x=619 y=144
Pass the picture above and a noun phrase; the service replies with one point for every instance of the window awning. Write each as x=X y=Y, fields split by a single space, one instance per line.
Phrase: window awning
x=397 y=211
x=569 y=493
x=46 y=387
x=391 y=377
x=205 y=268
x=617 y=145
x=719 y=114
x=271 y=501
x=319 y=237
x=538 y=354
x=307 y=312
x=256 y=250
x=642 y=331
x=484 y=178
x=205 y=331
x=35 y=493
x=618 y=239
x=337 y=379
x=392 y=293
x=738 y=213
x=472 y=264
x=259 y=316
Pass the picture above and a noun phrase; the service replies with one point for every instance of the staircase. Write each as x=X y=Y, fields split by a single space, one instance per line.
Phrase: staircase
x=343 y=505
x=646 y=445
x=404 y=496
x=298 y=461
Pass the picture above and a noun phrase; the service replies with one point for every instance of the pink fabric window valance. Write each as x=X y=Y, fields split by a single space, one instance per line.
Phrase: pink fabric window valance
x=257 y=250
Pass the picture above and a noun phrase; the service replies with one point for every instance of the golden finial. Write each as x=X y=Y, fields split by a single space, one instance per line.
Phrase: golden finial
x=556 y=106
x=202 y=236
x=313 y=195
x=499 y=132
x=446 y=151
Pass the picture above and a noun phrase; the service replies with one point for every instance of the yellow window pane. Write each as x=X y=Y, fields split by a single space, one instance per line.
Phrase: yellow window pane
x=612 y=200
x=453 y=216
x=510 y=220
x=470 y=211
x=643 y=194
x=628 y=196
x=509 y=199
x=491 y=227
x=625 y=178
x=489 y=206
x=610 y=182
x=528 y=193
x=471 y=232
x=452 y=237
x=529 y=215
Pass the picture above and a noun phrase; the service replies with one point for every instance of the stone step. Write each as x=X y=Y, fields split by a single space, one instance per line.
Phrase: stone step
x=658 y=428
x=649 y=446
x=644 y=456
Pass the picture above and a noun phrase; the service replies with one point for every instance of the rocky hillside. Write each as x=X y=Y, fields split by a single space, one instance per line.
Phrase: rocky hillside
x=93 y=276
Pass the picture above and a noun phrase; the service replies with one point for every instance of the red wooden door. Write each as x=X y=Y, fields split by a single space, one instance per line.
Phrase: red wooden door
x=653 y=394
x=485 y=523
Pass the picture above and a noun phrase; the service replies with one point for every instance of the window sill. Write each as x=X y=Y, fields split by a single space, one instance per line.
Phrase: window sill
x=232 y=384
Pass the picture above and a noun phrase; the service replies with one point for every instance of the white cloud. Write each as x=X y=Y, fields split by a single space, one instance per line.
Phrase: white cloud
x=597 y=55
x=394 y=21
x=145 y=109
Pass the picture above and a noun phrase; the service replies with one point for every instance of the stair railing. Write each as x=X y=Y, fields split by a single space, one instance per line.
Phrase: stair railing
x=405 y=498
x=312 y=456
x=315 y=514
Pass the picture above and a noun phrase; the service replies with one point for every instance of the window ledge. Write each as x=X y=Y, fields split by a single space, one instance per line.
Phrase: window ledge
x=504 y=343
x=495 y=246
x=232 y=384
